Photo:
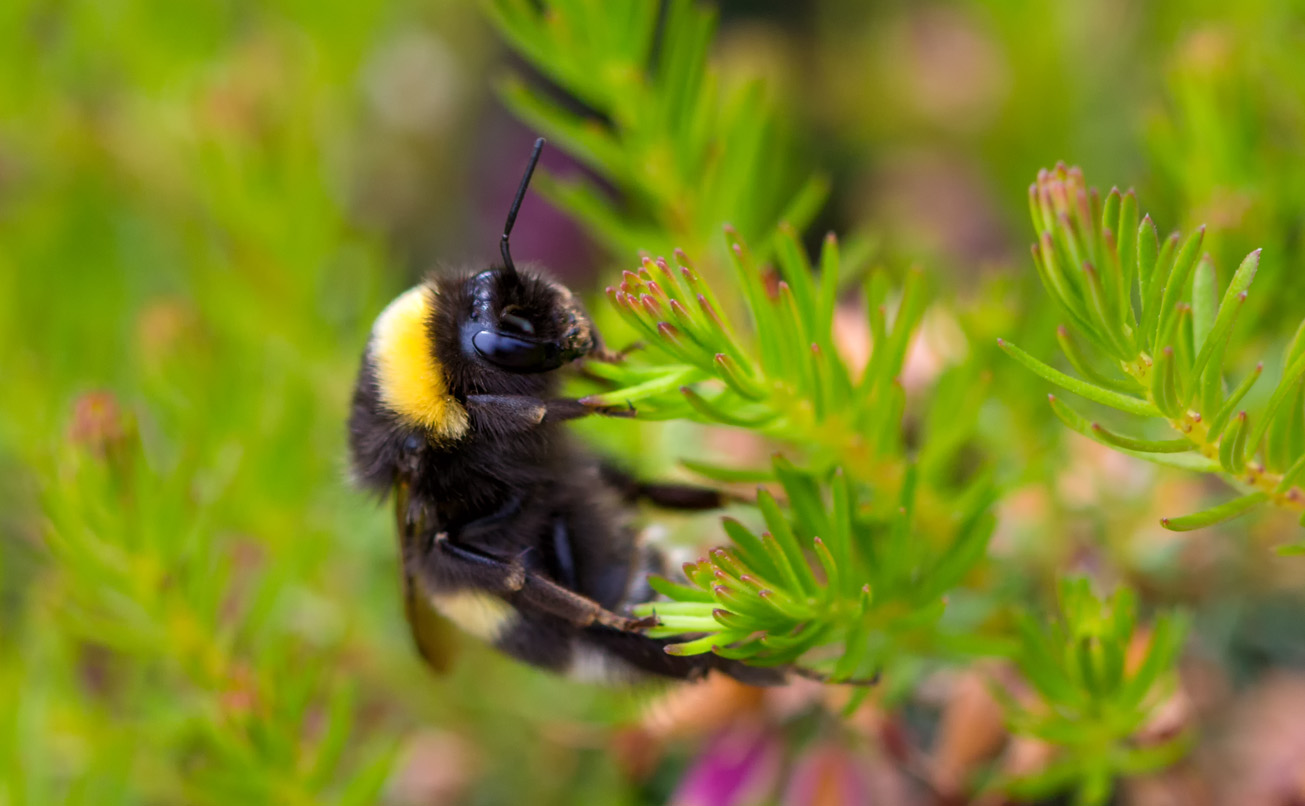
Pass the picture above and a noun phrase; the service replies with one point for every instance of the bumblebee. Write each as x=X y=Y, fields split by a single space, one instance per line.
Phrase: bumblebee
x=507 y=527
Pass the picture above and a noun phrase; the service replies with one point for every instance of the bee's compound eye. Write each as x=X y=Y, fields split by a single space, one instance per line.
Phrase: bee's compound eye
x=516 y=355
x=413 y=443
x=482 y=295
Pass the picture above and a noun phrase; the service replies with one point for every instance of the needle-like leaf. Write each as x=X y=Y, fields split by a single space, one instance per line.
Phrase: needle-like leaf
x=1107 y=397
x=1224 y=512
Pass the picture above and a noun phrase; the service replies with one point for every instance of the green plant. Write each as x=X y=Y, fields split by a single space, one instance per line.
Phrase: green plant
x=779 y=374
x=878 y=589
x=145 y=575
x=1091 y=697
x=685 y=149
x=1159 y=330
x=873 y=595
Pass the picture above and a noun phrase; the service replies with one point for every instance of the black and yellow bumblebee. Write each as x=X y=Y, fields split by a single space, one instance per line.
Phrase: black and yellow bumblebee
x=507 y=527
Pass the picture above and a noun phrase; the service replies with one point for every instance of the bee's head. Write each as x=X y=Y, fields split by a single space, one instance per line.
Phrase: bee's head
x=521 y=324
x=504 y=332
x=498 y=332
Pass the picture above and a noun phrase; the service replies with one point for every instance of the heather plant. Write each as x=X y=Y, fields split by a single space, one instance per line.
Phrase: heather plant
x=1091 y=699
x=1159 y=326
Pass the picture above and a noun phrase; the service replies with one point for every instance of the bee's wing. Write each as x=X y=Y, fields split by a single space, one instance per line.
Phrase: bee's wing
x=433 y=634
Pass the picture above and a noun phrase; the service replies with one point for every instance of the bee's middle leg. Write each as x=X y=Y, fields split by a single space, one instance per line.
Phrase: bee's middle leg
x=684 y=497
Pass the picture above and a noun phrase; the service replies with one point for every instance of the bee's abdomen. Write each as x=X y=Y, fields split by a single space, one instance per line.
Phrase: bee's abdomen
x=539 y=640
x=480 y=614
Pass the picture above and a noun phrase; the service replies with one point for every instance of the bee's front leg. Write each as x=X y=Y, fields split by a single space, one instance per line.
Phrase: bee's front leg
x=609 y=356
x=514 y=581
x=511 y=414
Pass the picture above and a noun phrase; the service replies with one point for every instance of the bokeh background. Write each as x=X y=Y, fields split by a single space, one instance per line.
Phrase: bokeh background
x=203 y=205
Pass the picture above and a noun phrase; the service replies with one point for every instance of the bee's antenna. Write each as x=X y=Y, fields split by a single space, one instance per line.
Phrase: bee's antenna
x=516 y=206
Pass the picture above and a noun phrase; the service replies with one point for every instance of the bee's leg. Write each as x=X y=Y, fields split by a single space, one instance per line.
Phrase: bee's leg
x=512 y=580
x=560 y=409
x=682 y=496
x=564 y=554
x=510 y=414
x=688 y=497
x=581 y=611
x=820 y=677
x=610 y=356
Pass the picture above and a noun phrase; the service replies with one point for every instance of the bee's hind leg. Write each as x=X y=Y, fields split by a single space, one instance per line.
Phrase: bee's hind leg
x=524 y=588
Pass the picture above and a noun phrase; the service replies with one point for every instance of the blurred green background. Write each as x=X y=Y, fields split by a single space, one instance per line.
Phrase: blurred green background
x=203 y=206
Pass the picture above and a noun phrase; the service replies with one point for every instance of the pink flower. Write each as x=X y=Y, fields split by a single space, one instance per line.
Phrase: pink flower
x=740 y=765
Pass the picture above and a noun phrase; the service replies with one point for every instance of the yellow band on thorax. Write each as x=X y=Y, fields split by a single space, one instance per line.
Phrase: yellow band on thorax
x=408 y=375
